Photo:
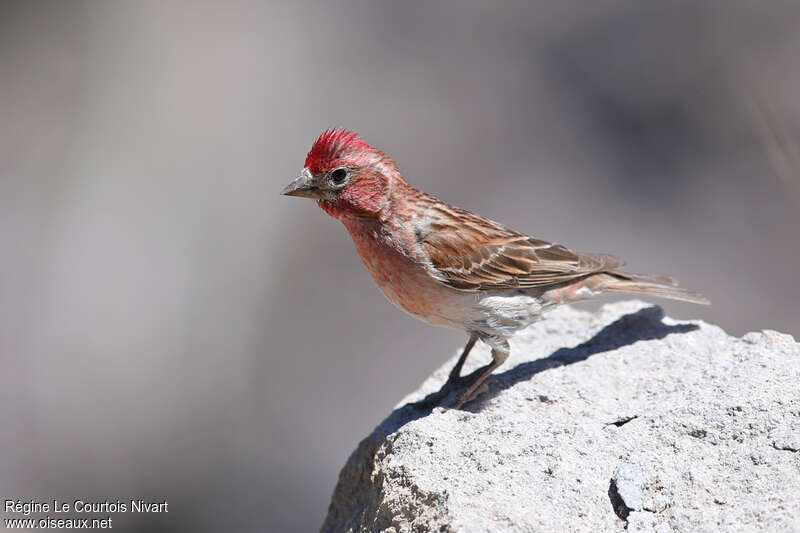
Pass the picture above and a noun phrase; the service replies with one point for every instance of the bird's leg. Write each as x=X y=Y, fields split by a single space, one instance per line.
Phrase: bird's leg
x=453 y=380
x=500 y=351
x=455 y=373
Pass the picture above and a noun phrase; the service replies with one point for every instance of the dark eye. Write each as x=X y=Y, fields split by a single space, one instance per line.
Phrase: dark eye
x=338 y=176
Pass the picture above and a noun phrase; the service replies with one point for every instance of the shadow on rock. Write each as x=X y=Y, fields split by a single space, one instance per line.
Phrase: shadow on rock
x=644 y=325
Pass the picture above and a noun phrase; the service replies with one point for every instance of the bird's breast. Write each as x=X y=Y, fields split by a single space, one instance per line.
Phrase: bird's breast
x=403 y=280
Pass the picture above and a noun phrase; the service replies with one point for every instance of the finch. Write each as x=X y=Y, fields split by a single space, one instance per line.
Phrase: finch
x=450 y=267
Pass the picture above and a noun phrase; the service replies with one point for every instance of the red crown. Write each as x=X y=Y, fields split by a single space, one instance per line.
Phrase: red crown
x=332 y=145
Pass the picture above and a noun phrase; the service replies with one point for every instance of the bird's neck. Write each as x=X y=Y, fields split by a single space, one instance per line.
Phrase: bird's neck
x=385 y=227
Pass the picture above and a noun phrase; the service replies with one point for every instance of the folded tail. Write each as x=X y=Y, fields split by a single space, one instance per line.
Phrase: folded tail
x=661 y=286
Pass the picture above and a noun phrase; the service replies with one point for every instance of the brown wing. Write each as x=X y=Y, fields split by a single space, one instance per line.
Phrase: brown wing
x=471 y=253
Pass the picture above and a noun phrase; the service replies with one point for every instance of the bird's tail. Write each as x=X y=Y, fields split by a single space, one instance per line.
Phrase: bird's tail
x=661 y=286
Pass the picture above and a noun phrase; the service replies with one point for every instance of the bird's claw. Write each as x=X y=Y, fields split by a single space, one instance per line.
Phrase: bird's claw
x=467 y=396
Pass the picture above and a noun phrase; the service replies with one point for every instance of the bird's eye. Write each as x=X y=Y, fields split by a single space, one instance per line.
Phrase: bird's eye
x=338 y=176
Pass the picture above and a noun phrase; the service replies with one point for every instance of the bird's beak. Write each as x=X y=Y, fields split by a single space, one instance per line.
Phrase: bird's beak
x=303 y=186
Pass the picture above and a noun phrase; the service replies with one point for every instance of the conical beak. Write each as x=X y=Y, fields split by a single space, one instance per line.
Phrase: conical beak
x=303 y=186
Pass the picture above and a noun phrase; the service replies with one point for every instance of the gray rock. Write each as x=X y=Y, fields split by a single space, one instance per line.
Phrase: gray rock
x=597 y=422
x=625 y=490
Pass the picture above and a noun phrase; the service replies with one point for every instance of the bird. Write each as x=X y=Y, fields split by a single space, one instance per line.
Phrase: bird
x=449 y=267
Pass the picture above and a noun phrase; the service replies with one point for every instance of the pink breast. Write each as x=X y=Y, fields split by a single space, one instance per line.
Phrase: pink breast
x=404 y=283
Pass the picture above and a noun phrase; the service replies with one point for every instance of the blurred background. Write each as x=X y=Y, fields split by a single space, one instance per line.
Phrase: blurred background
x=173 y=328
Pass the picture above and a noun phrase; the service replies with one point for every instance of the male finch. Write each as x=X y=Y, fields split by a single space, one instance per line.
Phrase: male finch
x=450 y=267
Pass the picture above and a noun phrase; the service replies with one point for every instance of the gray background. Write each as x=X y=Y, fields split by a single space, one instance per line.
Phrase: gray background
x=173 y=328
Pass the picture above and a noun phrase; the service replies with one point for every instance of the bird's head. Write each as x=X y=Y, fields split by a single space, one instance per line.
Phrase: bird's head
x=346 y=176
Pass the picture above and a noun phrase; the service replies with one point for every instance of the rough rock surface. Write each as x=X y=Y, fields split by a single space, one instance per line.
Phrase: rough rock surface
x=622 y=419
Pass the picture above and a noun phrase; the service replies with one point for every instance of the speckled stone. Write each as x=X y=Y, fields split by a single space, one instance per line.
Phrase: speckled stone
x=597 y=422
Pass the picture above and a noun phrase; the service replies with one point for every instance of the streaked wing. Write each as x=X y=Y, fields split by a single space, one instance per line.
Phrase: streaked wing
x=471 y=253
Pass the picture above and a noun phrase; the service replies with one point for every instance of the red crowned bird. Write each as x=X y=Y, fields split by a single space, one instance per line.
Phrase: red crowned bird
x=450 y=267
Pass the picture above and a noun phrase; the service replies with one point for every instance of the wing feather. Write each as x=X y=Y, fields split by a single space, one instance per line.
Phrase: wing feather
x=472 y=253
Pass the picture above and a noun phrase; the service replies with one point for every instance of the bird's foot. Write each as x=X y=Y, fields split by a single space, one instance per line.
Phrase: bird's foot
x=439 y=397
x=453 y=383
x=467 y=396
